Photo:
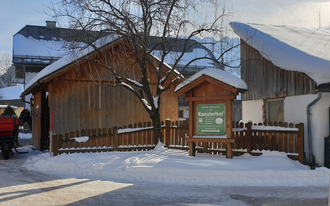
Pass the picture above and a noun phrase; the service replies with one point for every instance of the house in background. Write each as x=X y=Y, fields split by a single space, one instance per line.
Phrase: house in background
x=35 y=47
x=287 y=71
x=11 y=96
x=8 y=79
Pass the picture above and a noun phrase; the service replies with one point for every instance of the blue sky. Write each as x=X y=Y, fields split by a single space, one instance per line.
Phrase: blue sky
x=15 y=14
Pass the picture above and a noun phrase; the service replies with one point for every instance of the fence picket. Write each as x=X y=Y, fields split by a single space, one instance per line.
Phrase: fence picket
x=89 y=141
x=280 y=139
x=296 y=141
x=130 y=136
x=109 y=138
x=149 y=135
x=291 y=140
x=176 y=133
x=285 y=138
x=93 y=139
x=99 y=139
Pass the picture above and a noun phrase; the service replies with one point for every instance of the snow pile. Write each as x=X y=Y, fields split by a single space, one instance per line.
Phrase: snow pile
x=290 y=48
x=275 y=128
x=217 y=74
x=170 y=166
x=81 y=139
x=27 y=149
x=5 y=106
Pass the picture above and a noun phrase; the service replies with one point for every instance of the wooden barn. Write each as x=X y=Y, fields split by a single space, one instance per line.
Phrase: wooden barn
x=287 y=72
x=80 y=93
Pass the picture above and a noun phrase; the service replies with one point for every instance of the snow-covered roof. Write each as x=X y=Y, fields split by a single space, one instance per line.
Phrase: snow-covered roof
x=68 y=59
x=37 y=47
x=11 y=93
x=5 y=106
x=45 y=41
x=217 y=74
x=291 y=48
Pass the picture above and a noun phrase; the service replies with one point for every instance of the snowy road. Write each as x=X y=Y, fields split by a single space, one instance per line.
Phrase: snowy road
x=21 y=187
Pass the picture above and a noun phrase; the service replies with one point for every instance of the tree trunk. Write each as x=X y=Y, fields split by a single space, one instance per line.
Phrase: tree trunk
x=157 y=126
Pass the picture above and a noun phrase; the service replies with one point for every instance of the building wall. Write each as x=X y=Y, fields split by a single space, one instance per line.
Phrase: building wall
x=320 y=127
x=295 y=111
x=252 y=110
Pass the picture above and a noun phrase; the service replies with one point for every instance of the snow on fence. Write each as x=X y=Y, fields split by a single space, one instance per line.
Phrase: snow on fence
x=249 y=138
x=107 y=139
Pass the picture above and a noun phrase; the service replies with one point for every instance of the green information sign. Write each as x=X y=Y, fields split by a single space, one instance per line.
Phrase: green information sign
x=211 y=119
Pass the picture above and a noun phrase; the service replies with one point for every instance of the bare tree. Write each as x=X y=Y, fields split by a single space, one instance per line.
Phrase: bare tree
x=7 y=71
x=5 y=62
x=146 y=26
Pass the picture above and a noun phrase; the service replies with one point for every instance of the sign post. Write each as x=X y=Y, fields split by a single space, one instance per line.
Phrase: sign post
x=210 y=109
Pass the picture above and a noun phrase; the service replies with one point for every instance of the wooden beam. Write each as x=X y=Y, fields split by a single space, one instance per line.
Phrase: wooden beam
x=222 y=140
x=202 y=79
x=189 y=99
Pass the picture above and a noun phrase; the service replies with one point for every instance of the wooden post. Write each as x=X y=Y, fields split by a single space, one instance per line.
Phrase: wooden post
x=115 y=138
x=248 y=136
x=55 y=145
x=167 y=132
x=301 y=143
x=229 y=151
x=192 y=149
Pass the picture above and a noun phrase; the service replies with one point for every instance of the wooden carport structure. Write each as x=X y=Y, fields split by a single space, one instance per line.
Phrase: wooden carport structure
x=80 y=92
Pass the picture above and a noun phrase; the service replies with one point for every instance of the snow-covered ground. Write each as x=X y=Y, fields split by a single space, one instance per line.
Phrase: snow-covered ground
x=171 y=166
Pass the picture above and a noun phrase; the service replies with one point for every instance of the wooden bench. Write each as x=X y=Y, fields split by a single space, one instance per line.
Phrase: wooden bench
x=229 y=141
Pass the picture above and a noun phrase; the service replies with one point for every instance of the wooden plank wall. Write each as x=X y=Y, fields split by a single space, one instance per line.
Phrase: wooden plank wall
x=265 y=80
x=84 y=98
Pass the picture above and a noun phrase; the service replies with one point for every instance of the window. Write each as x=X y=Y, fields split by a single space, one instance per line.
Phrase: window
x=19 y=72
x=180 y=113
x=275 y=110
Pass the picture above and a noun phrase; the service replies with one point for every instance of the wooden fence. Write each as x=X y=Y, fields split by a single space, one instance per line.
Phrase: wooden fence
x=249 y=138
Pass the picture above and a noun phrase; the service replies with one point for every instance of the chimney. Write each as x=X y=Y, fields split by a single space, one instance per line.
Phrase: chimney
x=51 y=24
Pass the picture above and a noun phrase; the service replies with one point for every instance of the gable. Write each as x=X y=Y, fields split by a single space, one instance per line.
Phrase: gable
x=290 y=48
x=266 y=80
x=218 y=76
